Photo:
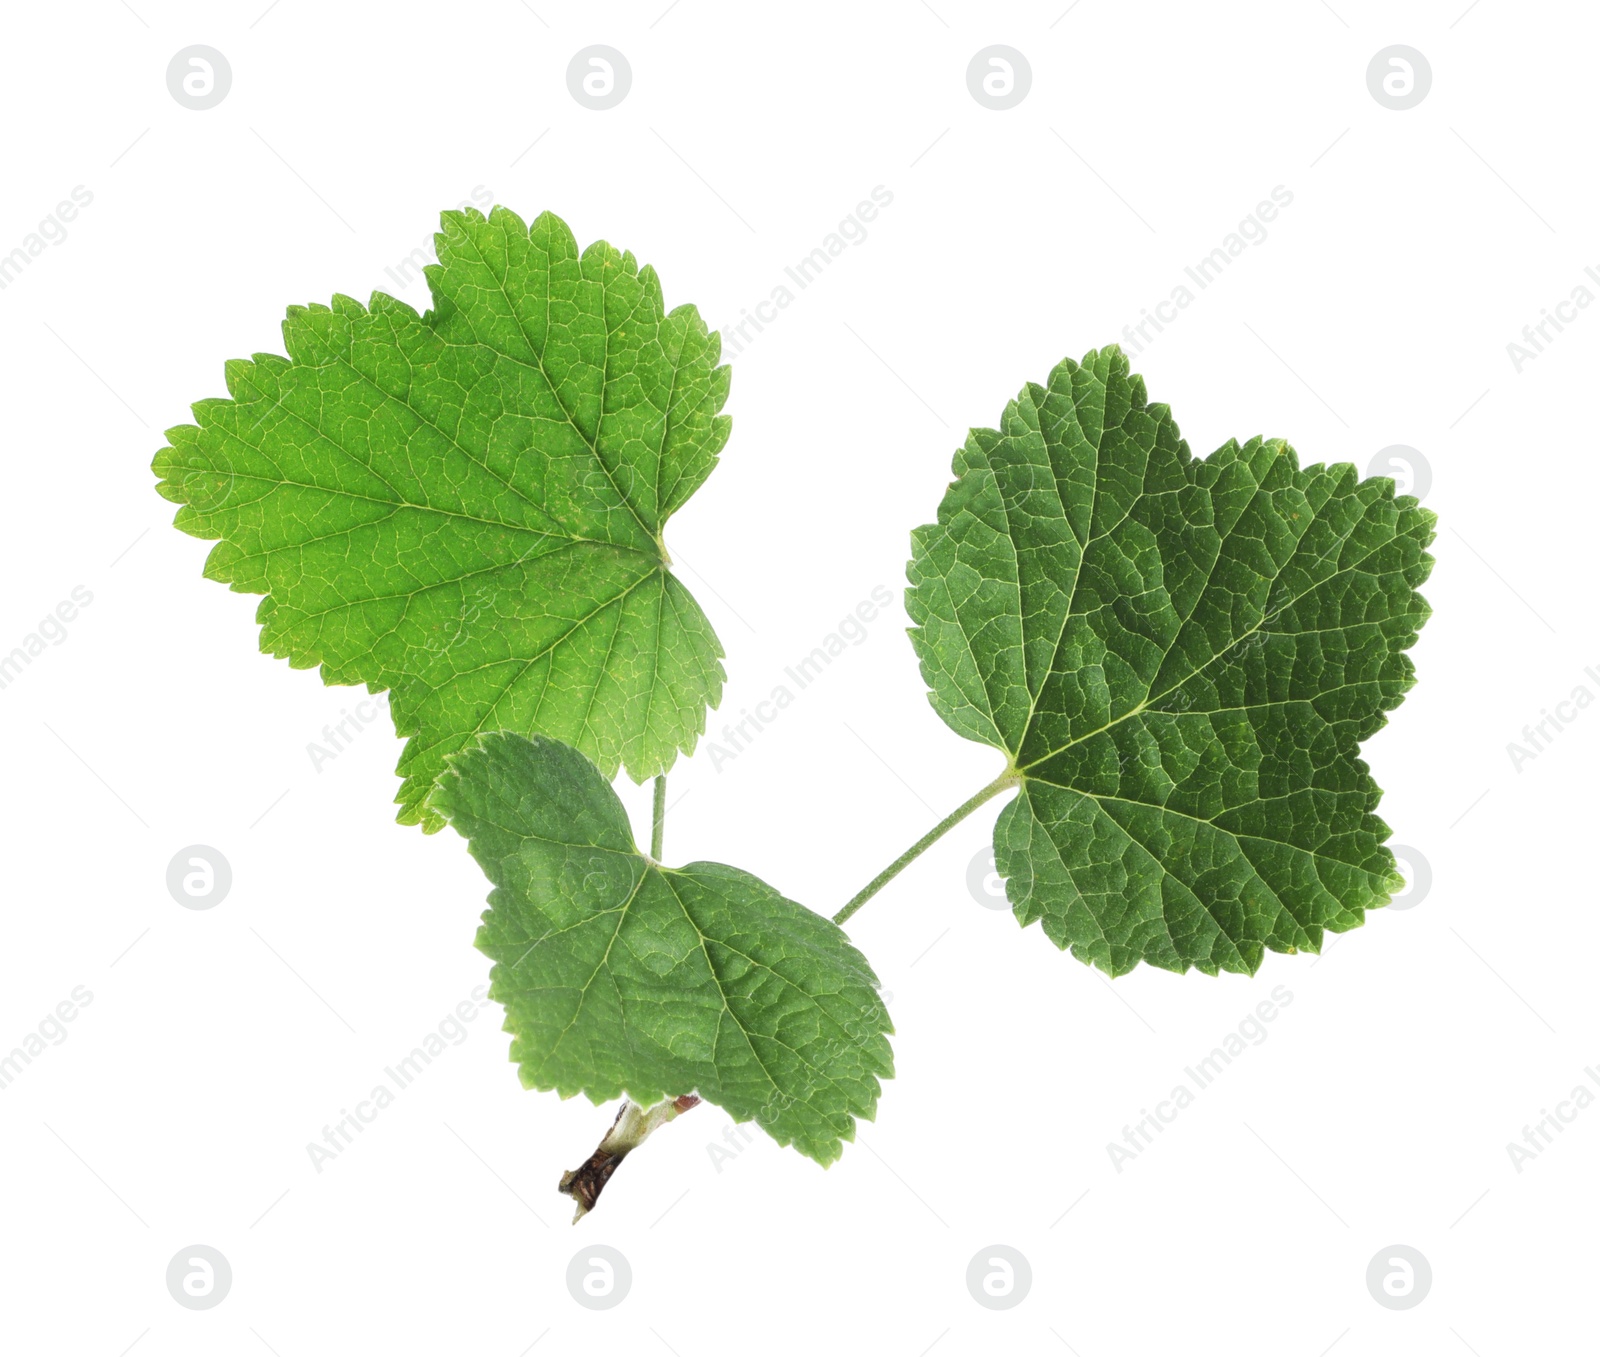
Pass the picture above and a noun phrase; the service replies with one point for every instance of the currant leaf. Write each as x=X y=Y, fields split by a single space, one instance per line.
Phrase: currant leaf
x=1180 y=658
x=466 y=507
x=620 y=976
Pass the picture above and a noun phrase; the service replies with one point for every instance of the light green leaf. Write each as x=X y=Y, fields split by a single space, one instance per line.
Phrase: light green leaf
x=1180 y=658
x=466 y=507
x=621 y=976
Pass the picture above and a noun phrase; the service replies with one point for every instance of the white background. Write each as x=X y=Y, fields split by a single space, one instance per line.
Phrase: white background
x=218 y=1043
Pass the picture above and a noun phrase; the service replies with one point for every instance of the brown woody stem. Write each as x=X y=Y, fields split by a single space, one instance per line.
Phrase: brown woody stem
x=585 y=1183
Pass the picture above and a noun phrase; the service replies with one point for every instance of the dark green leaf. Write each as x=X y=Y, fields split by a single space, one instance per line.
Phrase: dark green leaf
x=621 y=976
x=1180 y=657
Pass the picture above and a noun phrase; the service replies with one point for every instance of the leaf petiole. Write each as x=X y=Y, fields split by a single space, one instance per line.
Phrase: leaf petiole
x=658 y=817
x=1010 y=778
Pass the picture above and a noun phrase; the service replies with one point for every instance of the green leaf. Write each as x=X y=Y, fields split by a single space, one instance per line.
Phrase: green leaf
x=1180 y=658
x=466 y=507
x=620 y=976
